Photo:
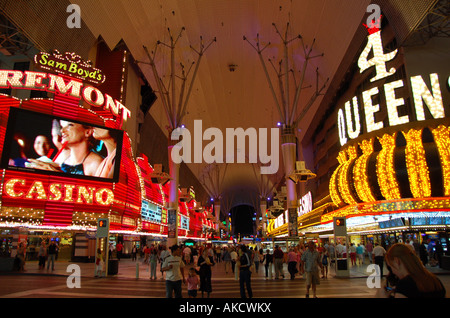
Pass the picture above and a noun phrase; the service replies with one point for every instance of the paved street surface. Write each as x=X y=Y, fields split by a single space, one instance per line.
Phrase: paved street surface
x=133 y=282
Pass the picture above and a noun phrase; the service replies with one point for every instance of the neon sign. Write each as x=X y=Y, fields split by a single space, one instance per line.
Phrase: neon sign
x=305 y=204
x=70 y=193
x=69 y=64
x=57 y=84
x=348 y=118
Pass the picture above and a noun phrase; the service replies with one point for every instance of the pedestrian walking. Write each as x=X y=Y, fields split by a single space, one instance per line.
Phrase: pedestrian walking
x=268 y=262
x=205 y=262
x=173 y=266
x=256 y=259
x=292 y=263
x=311 y=258
x=119 y=249
x=278 y=257
x=369 y=249
x=360 y=254
x=133 y=252
x=153 y=260
x=42 y=255
x=423 y=254
x=21 y=252
x=52 y=250
x=378 y=257
x=99 y=261
x=163 y=253
x=192 y=283
x=234 y=257
x=187 y=255
x=245 y=274
x=352 y=252
x=226 y=257
x=324 y=260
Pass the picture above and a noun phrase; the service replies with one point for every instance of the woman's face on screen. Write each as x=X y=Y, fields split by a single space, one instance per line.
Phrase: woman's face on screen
x=73 y=133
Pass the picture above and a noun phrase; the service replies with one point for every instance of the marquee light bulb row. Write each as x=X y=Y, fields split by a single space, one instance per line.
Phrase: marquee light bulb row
x=385 y=168
x=441 y=136
x=396 y=206
x=21 y=216
x=361 y=179
x=419 y=177
x=81 y=218
x=346 y=176
x=344 y=180
x=334 y=191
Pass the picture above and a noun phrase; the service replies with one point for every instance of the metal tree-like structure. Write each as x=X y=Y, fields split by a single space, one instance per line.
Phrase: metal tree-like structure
x=175 y=106
x=288 y=105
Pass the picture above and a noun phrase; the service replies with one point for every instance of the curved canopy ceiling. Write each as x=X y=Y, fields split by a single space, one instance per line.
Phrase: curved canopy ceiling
x=219 y=97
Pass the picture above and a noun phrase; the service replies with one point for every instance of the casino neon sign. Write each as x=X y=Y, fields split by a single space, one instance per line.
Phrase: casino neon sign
x=58 y=84
x=349 y=119
x=63 y=192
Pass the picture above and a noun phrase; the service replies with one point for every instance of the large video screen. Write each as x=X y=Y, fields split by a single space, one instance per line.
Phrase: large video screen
x=48 y=144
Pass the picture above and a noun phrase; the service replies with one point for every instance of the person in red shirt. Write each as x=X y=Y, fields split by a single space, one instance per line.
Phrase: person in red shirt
x=119 y=248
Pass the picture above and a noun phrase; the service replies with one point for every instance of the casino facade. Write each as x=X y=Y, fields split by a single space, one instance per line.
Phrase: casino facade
x=39 y=203
x=380 y=144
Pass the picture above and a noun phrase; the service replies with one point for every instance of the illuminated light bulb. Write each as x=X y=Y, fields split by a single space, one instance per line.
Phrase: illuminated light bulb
x=334 y=192
x=370 y=109
x=360 y=172
x=441 y=136
x=392 y=103
x=421 y=93
x=343 y=177
x=379 y=59
x=341 y=127
x=353 y=132
x=385 y=168
x=416 y=164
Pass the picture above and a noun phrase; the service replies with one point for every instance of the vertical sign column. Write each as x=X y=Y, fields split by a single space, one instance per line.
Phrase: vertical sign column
x=102 y=241
x=340 y=239
x=172 y=224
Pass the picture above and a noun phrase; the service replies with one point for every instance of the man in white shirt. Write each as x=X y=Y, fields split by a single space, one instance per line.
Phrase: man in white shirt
x=163 y=253
x=378 y=257
x=174 y=267
x=234 y=257
x=340 y=250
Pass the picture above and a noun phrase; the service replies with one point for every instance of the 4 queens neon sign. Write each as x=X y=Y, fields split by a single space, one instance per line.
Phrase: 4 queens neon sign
x=349 y=119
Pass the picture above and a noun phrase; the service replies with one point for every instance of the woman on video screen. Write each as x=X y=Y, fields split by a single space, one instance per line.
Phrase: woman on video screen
x=75 y=155
x=106 y=168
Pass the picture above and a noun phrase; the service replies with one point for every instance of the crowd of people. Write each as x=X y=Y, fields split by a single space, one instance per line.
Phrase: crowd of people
x=407 y=275
x=47 y=253
x=241 y=261
x=307 y=261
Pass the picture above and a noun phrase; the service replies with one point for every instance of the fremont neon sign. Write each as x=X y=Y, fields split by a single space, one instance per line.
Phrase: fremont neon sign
x=58 y=84
x=349 y=119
